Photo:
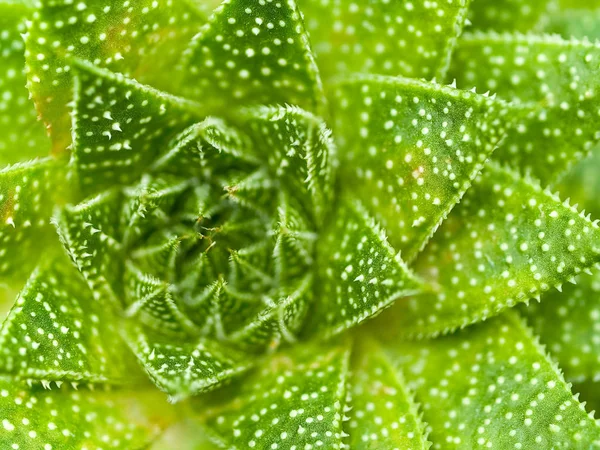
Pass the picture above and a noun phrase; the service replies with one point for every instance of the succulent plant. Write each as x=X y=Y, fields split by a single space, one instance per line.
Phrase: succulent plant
x=205 y=208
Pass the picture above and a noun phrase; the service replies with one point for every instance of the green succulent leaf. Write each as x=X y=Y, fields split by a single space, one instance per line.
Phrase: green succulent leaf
x=253 y=53
x=569 y=325
x=120 y=127
x=56 y=331
x=89 y=233
x=65 y=418
x=492 y=385
x=507 y=242
x=511 y=15
x=28 y=193
x=211 y=149
x=148 y=206
x=299 y=152
x=383 y=413
x=295 y=399
x=553 y=84
x=188 y=367
x=411 y=150
x=412 y=39
x=154 y=303
x=279 y=321
x=140 y=38
x=18 y=119
x=360 y=273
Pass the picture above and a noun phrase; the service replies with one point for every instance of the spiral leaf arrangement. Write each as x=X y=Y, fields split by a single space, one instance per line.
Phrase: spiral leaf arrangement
x=223 y=193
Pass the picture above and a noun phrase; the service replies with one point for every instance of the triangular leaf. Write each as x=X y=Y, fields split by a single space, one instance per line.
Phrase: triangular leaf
x=295 y=399
x=279 y=321
x=90 y=235
x=360 y=274
x=154 y=303
x=209 y=149
x=507 y=242
x=149 y=205
x=187 y=367
x=493 y=386
x=412 y=39
x=553 y=84
x=55 y=331
x=383 y=414
x=253 y=53
x=298 y=150
x=120 y=126
x=411 y=150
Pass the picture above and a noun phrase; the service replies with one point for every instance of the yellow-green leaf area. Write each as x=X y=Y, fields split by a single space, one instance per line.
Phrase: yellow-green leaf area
x=18 y=119
x=143 y=39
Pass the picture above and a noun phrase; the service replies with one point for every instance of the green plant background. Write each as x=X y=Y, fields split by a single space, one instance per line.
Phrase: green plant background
x=282 y=224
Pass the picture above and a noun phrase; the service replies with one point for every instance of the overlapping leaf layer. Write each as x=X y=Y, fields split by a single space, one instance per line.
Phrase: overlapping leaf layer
x=228 y=191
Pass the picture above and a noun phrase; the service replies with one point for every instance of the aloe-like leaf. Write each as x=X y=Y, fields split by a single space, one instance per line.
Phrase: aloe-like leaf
x=507 y=242
x=382 y=414
x=253 y=53
x=28 y=193
x=137 y=38
x=69 y=419
x=18 y=119
x=297 y=398
x=554 y=86
x=279 y=321
x=184 y=368
x=120 y=126
x=149 y=205
x=154 y=303
x=298 y=150
x=511 y=15
x=55 y=331
x=159 y=255
x=493 y=386
x=295 y=242
x=412 y=39
x=569 y=325
x=90 y=234
x=411 y=149
x=211 y=149
x=360 y=274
